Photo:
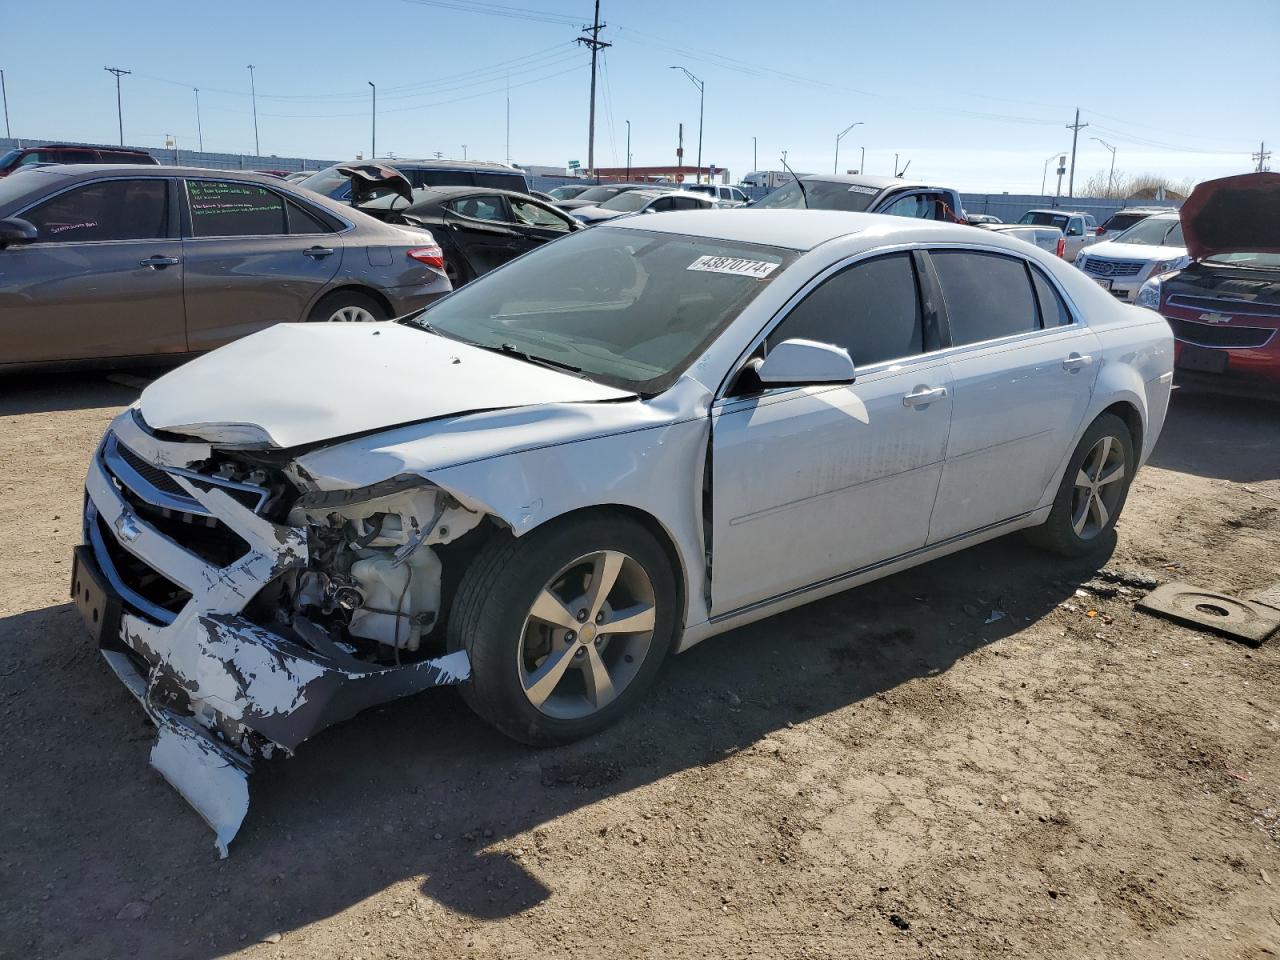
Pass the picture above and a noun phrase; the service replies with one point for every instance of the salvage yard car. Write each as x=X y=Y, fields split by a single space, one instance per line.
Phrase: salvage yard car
x=857 y=193
x=1224 y=307
x=113 y=262
x=642 y=201
x=1079 y=229
x=630 y=440
x=1152 y=246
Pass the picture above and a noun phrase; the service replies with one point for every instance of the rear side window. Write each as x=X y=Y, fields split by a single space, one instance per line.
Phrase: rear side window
x=221 y=208
x=987 y=295
x=106 y=210
x=302 y=220
x=114 y=156
x=502 y=181
x=1053 y=312
x=872 y=309
x=441 y=178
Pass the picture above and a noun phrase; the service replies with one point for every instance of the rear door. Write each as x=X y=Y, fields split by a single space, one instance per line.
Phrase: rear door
x=1023 y=370
x=253 y=258
x=104 y=278
x=483 y=231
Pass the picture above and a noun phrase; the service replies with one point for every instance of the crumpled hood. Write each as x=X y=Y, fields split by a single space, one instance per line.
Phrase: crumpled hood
x=301 y=383
x=1238 y=214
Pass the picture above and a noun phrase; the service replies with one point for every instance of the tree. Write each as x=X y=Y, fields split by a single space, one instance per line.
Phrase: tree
x=1141 y=186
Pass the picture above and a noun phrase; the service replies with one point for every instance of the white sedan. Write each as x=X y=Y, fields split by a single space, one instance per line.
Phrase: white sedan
x=602 y=453
x=1149 y=248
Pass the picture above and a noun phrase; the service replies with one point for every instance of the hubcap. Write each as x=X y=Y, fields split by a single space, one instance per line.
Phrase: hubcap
x=587 y=635
x=352 y=315
x=1097 y=488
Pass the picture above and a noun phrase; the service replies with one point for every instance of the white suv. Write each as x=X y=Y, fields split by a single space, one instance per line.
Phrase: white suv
x=1150 y=247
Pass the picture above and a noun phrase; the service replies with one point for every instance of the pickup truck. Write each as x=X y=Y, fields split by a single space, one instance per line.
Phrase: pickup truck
x=860 y=194
x=1079 y=229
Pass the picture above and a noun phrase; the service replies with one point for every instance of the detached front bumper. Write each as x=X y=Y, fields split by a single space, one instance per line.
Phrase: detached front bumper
x=167 y=614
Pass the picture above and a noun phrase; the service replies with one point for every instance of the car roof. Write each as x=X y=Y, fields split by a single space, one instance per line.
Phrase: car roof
x=1059 y=210
x=84 y=146
x=456 y=191
x=492 y=166
x=806 y=229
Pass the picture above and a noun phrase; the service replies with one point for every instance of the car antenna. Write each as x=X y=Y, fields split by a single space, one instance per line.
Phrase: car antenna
x=799 y=182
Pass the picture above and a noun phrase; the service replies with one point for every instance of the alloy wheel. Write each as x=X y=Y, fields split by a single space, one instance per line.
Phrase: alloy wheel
x=352 y=315
x=587 y=635
x=1098 y=490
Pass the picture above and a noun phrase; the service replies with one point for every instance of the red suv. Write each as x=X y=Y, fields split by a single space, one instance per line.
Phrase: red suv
x=1225 y=307
x=70 y=153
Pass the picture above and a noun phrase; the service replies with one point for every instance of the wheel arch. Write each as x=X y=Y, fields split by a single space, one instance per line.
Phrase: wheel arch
x=350 y=287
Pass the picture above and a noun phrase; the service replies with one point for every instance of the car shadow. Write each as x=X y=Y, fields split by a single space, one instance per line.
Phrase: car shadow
x=1220 y=436
x=47 y=392
x=421 y=792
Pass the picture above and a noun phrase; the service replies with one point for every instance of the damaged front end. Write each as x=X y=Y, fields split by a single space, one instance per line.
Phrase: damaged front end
x=247 y=611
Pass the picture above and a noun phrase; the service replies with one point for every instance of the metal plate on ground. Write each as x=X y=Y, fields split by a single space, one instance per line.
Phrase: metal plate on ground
x=1244 y=620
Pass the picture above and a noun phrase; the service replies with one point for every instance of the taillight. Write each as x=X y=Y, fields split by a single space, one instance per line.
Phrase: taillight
x=1061 y=251
x=432 y=256
x=1100 y=231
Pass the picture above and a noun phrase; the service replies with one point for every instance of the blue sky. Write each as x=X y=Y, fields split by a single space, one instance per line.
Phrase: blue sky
x=975 y=94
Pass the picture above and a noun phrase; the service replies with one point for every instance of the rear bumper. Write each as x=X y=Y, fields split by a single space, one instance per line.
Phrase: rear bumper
x=408 y=299
x=221 y=689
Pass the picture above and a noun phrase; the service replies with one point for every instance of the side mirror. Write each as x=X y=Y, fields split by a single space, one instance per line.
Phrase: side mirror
x=14 y=232
x=802 y=363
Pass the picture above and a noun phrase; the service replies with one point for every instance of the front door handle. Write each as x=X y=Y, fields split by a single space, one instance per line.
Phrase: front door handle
x=316 y=253
x=159 y=263
x=1076 y=362
x=923 y=396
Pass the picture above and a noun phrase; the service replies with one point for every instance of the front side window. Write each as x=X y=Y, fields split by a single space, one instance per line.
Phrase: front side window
x=1075 y=227
x=628 y=308
x=688 y=203
x=921 y=206
x=872 y=309
x=222 y=208
x=536 y=216
x=987 y=295
x=106 y=210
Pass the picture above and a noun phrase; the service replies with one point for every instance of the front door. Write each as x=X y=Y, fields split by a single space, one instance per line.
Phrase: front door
x=481 y=230
x=1023 y=373
x=812 y=483
x=103 y=279
x=537 y=224
x=252 y=259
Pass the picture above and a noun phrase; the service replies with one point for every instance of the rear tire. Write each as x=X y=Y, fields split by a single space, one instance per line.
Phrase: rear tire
x=347 y=306
x=519 y=614
x=1093 y=490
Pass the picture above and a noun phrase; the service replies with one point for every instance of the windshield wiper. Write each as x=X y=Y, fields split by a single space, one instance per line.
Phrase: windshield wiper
x=511 y=350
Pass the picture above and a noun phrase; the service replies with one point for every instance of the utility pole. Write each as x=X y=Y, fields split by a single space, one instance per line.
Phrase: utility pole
x=755 y=163
x=1262 y=156
x=1111 y=177
x=680 y=153
x=199 y=128
x=628 y=150
x=464 y=151
x=895 y=164
x=119 y=112
x=253 y=92
x=835 y=164
x=596 y=45
x=373 y=147
x=1075 y=129
x=702 y=90
x=508 y=120
x=862 y=160
x=4 y=95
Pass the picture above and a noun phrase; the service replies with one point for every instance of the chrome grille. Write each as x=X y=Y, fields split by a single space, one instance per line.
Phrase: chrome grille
x=1224 y=305
x=1099 y=267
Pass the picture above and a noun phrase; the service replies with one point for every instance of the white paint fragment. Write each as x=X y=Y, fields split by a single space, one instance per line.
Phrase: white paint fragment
x=272 y=682
x=215 y=787
x=454 y=667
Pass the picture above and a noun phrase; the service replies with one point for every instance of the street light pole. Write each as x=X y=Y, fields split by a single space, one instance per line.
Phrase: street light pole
x=373 y=146
x=702 y=90
x=862 y=160
x=835 y=164
x=628 y=151
x=199 y=128
x=119 y=112
x=1111 y=177
x=4 y=95
x=253 y=92
x=755 y=163
x=464 y=151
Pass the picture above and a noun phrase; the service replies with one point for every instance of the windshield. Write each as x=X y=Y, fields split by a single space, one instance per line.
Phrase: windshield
x=1043 y=218
x=599 y=194
x=8 y=158
x=629 y=201
x=1266 y=261
x=1154 y=232
x=821 y=195
x=629 y=308
x=30 y=183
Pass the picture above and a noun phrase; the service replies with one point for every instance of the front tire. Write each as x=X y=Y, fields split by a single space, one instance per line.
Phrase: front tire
x=1093 y=490
x=566 y=627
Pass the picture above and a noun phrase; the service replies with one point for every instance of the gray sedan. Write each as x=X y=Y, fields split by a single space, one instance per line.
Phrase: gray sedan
x=105 y=261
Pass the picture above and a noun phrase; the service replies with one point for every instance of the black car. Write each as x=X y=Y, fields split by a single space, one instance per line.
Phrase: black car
x=57 y=153
x=477 y=228
x=334 y=183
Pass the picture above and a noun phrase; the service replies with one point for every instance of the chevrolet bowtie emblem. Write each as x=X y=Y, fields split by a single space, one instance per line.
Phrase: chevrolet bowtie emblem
x=127 y=527
x=1215 y=318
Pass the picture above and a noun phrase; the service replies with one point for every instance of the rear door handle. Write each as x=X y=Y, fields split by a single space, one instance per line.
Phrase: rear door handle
x=922 y=396
x=317 y=253
x=1076 y=362
x=157 y=263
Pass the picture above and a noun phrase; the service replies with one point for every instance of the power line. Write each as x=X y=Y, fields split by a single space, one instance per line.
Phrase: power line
x=501 y=10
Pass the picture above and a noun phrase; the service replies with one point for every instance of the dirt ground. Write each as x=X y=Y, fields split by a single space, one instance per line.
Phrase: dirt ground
x=880 y=774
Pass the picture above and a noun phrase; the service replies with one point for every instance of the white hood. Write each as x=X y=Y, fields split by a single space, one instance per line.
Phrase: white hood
x=1133 y=251
x=301 y=383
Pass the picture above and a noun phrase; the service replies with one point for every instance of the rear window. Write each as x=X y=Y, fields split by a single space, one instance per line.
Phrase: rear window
x=1043 y=218
x=820 y=195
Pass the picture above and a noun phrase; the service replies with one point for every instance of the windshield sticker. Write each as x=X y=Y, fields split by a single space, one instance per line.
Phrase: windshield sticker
x=856 y=188
x=734 y=265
